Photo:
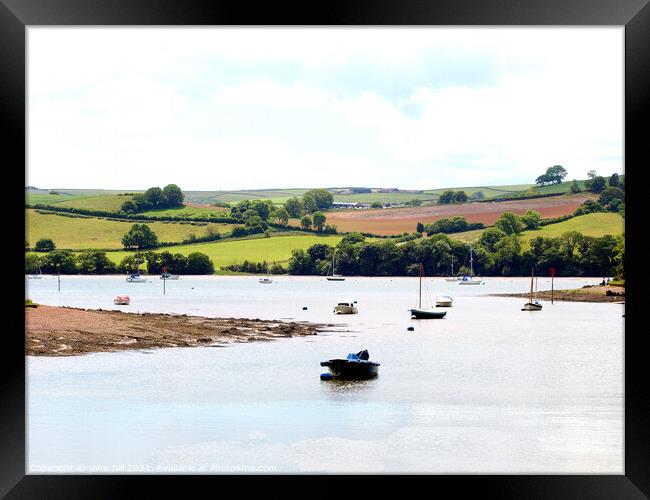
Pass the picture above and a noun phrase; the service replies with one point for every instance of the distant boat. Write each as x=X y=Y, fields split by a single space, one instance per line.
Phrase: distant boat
x=471 y=279
x=429 y=313
x=168 y=276
x=532 y=304
x=266 y=279
x=136 y=278
x=451 y=275
x=122 y=300
x=444 y=301
x=355 y=367
x=334 y=276
x=36 y=276
x=345 y=308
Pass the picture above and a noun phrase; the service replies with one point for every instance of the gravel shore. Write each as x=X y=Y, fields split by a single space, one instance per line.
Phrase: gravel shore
x=66 y=331
x=588 y=293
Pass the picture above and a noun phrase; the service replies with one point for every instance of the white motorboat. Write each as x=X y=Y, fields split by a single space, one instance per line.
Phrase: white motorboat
x=136 y=278
x=471 y=279
x=345 y=308
x=168 y=276
x=444 y=301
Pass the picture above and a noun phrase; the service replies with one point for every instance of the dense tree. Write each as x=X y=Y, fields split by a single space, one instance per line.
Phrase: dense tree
x=509 y=223
x=614 y=180
x=478 y=195
x=531 y=219
x=319 y=220
x=139 y=237
x=575 y=187
x=446 y=197
x=588 y=207
x=173 y=195
x=44 y=245
x=94 y=262
x=317 y=199
x=459 y=197
x=263 y=208
x=305 y=222
x=62 y=261
x=490 y=237
x=420 y=227
x=199 y=263
x=154 y=195
x=293 y=207
x=281 y=216
x=609 y=196
x=255 y=224
x=32 y=263
x=553 y=175
x=376 y=204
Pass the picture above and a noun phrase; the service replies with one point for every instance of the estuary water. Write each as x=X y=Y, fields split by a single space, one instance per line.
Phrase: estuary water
x=487 y=389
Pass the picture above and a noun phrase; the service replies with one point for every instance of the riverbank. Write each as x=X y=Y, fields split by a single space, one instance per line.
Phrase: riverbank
x=588 y=293
x=67 y=331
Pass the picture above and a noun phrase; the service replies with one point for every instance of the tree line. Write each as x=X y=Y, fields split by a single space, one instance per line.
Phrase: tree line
x=154 y=198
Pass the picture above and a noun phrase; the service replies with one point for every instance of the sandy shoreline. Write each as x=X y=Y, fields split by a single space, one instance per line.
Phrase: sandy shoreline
x=67 y=331
x=596 y=293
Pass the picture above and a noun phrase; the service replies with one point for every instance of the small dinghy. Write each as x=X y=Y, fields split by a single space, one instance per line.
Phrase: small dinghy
x=444 y=301
x=355 y=367
x=122 y=300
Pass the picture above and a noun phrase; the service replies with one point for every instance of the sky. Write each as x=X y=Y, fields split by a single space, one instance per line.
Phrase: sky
x=229 y=108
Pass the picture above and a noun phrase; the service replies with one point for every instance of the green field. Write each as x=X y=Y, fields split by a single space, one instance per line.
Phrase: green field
x=597 y=224
x=277 y=248
x=91 y=232
x=105 y=202
x=188 y=212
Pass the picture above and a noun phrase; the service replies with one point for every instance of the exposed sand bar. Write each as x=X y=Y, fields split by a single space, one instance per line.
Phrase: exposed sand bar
x=66 y=331
x=588 y=293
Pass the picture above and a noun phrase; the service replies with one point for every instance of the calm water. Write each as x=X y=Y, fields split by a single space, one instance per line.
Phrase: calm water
x=488 y=389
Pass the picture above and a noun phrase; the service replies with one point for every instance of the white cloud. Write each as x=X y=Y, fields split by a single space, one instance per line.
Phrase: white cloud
x=131 y=108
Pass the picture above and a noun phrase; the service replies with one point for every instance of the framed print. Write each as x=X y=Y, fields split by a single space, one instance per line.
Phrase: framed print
x=381 y=239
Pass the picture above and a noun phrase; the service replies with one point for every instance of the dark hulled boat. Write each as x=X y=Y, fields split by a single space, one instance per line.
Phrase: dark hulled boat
x=421 y=313
x=355 y=367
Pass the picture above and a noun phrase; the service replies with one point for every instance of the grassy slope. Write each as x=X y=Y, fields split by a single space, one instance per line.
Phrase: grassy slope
x=76 y=233
x=598 y=224
x=189 y=212
x=106 y=202
x=276 y=248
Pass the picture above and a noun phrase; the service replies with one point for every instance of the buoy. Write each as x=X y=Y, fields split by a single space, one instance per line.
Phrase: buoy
x=326 y=376
x=410 y=328
x=304 y=308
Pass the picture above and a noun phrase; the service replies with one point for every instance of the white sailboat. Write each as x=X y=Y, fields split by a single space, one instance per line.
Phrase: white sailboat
x=36 y=276
x=471 y=279
x=532 y=304
x=136 y=278
x=334 y=276
x=451 y=275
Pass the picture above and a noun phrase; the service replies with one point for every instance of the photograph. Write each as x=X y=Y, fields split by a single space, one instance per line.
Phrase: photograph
x=318 y=249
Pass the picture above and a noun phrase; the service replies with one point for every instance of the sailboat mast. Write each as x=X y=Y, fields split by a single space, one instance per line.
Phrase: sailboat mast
x=532 y=272
x=471 y=263
x=420 y=295
x=452 y=265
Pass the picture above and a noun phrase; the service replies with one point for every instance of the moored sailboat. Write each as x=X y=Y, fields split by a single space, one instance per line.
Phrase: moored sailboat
x=532 y=304
x=334 y=276
x=451 y=276
x=425 y=313
x=471 y=279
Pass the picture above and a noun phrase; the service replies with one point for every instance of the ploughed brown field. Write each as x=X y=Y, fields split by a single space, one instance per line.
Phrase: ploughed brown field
x=399 y=220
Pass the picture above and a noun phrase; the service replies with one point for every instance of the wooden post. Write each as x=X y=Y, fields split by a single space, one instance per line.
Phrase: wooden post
x=552 y=276
x=58 y=273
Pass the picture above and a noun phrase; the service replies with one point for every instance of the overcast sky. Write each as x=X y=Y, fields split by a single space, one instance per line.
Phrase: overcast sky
x=243 y=108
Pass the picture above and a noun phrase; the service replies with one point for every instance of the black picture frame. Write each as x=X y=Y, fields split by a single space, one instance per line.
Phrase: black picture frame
x=16 y=15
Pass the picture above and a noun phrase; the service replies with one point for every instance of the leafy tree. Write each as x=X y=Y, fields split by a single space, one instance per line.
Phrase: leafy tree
x=352 y=238
x=543 y=180
x=531 y=219
x=597 y=184
x=319 y=220
x=556 y=173
x=94 y=262
x=509 y=223
x=130 y=264
x=490 y=237
x=305 y=222
x=478 y=195
x=26 y=245
x=293 y=207
x=614 y=180
x=588 y=207
x=255 y=224
x=44 y=245
x=129 y=207
x=263 y=208
x=446 y=197
x=281 y=216
x=611 y=194
x=317 y=199
x=62 y=261
x=376 y=204
x=32 y=263
x=420 y=227
x=140 y=236
x=173 y=195
x=199 y=263
x=575 y=187
x=238 y=232
x=619 y=258
x=154 y=195
x=300 y=263
x=459 y=197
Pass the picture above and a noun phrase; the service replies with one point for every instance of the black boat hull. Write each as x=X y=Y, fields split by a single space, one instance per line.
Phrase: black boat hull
x=344 y=369
x=419 y=314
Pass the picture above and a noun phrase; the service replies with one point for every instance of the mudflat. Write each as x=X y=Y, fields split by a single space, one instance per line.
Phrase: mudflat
x=588 y=293
x=66 y=331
